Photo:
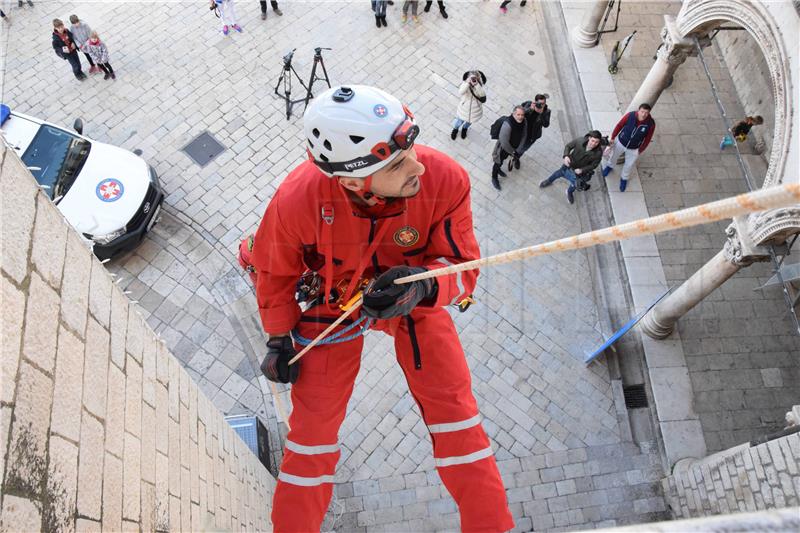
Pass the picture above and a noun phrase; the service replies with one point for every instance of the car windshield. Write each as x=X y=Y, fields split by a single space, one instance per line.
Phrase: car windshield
x=55 y=157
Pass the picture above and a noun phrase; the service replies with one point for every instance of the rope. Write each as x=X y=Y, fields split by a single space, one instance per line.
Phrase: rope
x=348 y=308
x=338 y=336
x=784 y=195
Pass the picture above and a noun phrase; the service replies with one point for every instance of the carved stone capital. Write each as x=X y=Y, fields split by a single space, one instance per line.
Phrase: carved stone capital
x=774 y=226
x=739 y=248
x=676 y=48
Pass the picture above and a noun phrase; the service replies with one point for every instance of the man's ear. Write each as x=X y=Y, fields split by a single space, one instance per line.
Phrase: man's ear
x=351 y=184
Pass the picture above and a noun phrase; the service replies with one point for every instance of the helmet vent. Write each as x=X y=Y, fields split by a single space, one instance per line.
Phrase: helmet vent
x=310 y=144
x=315 y=131
x=323 y=157
x=356 y=139
x=327 y=145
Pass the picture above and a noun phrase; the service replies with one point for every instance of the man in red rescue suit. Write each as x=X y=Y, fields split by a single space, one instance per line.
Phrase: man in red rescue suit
x=370 y=205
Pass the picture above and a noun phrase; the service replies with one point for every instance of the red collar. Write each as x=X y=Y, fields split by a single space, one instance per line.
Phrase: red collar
x=392 y=207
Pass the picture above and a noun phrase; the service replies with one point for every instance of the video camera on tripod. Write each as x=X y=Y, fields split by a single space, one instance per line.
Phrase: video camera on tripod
x=287 y=59
x=285 y=79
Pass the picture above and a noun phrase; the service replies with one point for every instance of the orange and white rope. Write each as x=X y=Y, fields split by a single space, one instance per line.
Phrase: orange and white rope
x=770 y=198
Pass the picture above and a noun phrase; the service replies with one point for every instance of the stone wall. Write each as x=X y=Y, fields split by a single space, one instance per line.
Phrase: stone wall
x=100 y=424
x=740 y=479
x=750 y=75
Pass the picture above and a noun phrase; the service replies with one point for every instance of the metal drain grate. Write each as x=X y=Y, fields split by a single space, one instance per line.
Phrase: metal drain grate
x=635 y=396
x=203 y=149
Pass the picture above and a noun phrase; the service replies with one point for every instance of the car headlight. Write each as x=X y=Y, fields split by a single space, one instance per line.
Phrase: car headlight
x=108 y=237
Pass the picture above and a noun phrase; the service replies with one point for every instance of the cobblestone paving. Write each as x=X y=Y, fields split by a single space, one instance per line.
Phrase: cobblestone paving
x=553 y=421
x=739 y=343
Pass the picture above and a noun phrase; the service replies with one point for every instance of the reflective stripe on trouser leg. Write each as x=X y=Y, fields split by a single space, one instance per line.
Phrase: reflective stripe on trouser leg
x=319 y=402
x=461 y=449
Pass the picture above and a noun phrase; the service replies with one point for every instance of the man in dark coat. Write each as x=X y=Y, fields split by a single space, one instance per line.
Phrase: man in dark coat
x=65 y=47
x=512 y=137
x=581 y=157
x=537 y=115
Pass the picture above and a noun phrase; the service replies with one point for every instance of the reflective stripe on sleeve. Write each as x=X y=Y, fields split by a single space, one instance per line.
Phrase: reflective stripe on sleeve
x=455 y=426
x=459 y=281
x=463 y=459
x=311 y=450
x=304 y=481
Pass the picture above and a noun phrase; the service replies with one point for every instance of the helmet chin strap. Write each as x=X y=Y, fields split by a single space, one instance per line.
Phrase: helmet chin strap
x=367 y=194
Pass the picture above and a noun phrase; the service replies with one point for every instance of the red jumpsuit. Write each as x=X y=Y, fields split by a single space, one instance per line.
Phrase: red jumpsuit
x=432 y=229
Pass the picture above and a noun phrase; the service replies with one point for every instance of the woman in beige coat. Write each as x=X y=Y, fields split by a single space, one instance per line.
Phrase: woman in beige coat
x=470 y=107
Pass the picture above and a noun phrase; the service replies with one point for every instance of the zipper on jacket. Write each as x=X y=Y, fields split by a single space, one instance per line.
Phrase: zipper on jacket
x=449 y=234
x=372 y=224
x=412 y=334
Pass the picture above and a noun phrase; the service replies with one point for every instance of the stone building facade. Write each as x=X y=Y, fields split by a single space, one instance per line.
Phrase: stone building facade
x=101 y=426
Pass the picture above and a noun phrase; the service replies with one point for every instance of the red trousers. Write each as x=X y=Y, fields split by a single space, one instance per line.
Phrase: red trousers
x=442 y=390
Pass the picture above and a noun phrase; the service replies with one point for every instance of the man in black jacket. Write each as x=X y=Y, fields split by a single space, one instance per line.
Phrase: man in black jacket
x=65 y=47
x=537 y=114
x=581 y=157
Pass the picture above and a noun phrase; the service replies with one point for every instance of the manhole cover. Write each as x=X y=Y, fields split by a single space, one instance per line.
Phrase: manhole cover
x=203 y=149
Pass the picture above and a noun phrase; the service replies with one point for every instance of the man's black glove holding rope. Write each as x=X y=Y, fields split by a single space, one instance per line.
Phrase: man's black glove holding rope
x=275 y=366
x=385 y=299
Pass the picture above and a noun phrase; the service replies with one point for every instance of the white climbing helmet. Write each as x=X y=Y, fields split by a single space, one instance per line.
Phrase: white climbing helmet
x=354 y=131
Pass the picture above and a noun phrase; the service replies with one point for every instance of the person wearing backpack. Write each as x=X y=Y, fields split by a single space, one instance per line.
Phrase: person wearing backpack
x=470 y=107
x=511 y=133
x=581 y=157
x=538 y=116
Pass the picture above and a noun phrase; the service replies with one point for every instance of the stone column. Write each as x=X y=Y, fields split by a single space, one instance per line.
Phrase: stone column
x=585 y=35
x=673 y=52
x=660 y=321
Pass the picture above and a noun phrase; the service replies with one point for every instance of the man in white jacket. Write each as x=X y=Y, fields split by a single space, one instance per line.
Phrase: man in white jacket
x=470 y=106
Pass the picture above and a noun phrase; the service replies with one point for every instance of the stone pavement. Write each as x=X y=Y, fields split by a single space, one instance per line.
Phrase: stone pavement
x=554 y=422
x=739 y=343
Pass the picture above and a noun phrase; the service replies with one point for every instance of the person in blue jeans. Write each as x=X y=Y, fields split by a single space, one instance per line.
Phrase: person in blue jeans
x=379 y=7
x=581 y=157
x=472 y=96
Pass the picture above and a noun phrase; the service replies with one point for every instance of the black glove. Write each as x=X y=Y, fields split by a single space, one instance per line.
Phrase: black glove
x=385 y=299
x=276 y=363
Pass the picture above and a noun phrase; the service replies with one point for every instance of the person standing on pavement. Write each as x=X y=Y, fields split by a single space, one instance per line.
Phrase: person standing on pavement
x=65 y=48
x=275 y=8
x=581 y=157
x=512 y=137
x=537 y=115
x=414 y=4
x=379 y=7
x=386 y=208
x=470 y=106
x=99 y=52
x=631 y=136
x=504 y=3
x=227 y=15
x=20 y=3
x=442 y=10
x=80 y=30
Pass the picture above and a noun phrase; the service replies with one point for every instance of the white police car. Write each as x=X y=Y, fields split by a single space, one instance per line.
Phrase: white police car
x=110 y=195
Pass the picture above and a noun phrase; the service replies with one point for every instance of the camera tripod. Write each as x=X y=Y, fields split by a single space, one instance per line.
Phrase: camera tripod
x=285 y=79
x=314 y=78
